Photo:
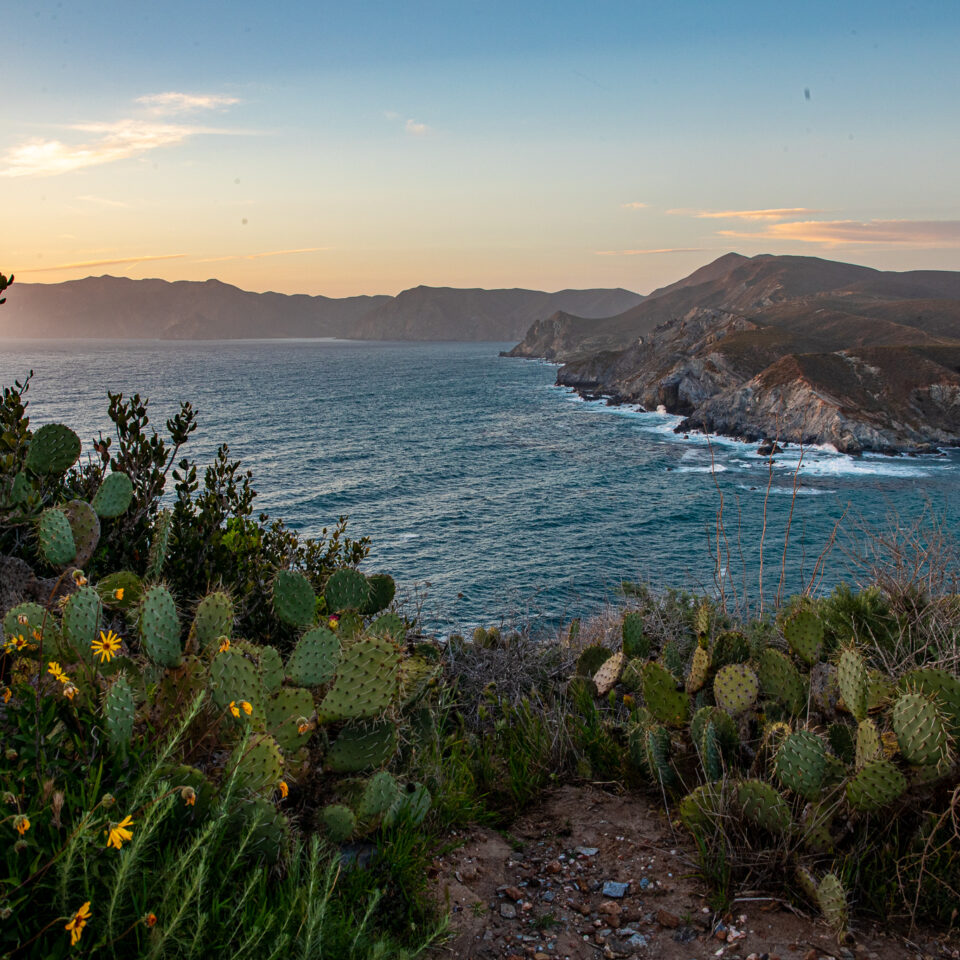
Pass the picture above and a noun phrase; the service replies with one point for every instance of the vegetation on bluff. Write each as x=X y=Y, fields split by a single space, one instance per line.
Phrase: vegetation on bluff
x=220 y=737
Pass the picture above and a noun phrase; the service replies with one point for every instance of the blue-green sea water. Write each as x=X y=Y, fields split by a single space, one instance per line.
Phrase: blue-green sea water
x=487 y=491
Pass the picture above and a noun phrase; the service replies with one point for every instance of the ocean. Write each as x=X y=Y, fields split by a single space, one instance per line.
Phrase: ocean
x=489 y=493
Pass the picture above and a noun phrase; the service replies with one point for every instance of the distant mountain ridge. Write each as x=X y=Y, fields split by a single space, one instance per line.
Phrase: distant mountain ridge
x=121 y=308
x=791 y=348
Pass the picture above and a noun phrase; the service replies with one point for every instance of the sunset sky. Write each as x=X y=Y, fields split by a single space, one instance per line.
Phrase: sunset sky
x=367 y=147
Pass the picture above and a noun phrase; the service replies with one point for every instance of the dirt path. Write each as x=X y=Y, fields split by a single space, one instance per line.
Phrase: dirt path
x=590 y=875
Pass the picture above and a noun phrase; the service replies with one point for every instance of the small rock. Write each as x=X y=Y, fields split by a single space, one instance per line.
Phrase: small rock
x=548 y=896
x=508 y=911
x=615 y=890
x=637 y=941
x=553 y=866
x=588 y=851
x=514 y=893
x=667 y=919
x=610 y=909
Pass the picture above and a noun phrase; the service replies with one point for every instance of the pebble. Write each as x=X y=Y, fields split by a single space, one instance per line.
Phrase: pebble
x=508 y=911
x=588 y=851
x=615 y=890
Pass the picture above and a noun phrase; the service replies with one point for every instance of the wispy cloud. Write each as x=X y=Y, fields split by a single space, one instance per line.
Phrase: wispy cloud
x=257 y=256
x=103 y=201
x=771 y=213
x=172 y=103
x=416 y=129
x=83 y=264
x=635 y=205
x=906 y=233
x=114 y=140
x=638 y=253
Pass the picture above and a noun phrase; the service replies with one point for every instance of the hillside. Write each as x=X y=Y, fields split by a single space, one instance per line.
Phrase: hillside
x=795 y=348
x=121 y=308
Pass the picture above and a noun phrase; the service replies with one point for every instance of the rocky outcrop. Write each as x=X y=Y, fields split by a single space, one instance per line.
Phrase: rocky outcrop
x=790 y=348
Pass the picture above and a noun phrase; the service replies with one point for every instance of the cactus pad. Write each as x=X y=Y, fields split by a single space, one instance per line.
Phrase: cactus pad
x=381 y=589
x=591 y=659
x=832 y=900
x=735 y=688
x=416 y=674
x=267 y=663
x=921 y=730
x=730 y=647
x=608 y=674
x=379 y=795
x=81 y=621
x=120 y=711
x=124 y=580
x=114 y=496
x=259 y=764
x=347 y=590
x=40 y=627
x=852 y=681
x=338 y=821
x=294 y=601
x=801 y=763
x=366 y=682
x=55 y=537
x=635 y=642
x=701 y=620
x=658 y=749
x=702 y=808
x=780 y=680
x=804 y=633
x=213 y=618
x=314 y=658
x=764 y=806
x=875 y=785
x=22 y=491
x=940 y=684
x=233 y=678
x=360 y=747
x=723 y=724
x=53 y=449
x=661 y=696
x=85 y=527
x=390 y=625
x=699 y=668
x=868 y=743
x=283 y=710
x=160 y=627
x=159 y=544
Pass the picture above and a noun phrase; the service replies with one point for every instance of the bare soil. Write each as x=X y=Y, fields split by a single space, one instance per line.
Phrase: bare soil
x=538 y=891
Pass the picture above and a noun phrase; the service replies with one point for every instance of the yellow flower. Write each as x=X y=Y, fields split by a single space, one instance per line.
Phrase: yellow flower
x=119 y=833
x=17 y=643
x=224 y=645
x=303 y=725
x=150 y=919
x=79 y=578
x=77 y=922
x=233 y=708
x=69 y=691
x=334 y=622
x=55 y=670
x=118 y=595
x=189 y=796
x=284 y=789
x=107 y=646
x=21 y=823
x=7 y=694
x=246 y=706
x=37 y=635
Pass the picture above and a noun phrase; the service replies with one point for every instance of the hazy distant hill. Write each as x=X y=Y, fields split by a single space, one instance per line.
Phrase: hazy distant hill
x=117 y=307
x=792 y=347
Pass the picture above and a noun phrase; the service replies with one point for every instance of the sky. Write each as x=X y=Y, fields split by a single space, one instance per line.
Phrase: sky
x=349 y=148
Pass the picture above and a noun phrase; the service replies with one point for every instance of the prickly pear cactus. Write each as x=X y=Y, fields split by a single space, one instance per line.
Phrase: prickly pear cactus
x=159 y=544
x=294 y=601
x=711 y=754
x=36 y=625
x=723 y=724
x=730 y=647
x=366 y=682
x=780 y=680
x=160 y=627
x=379 y=795
x=763 y=805
x=661 y=696
x=804 y=633
x=121 y=590
x=233 y=678
x=852 y=681
x=361 y=747
x=81 y=622
x=114 y=496
x=591 y=659
x=258 y=764
x=53 y=449
x=390 y=625
x=213 y=618
x=842 y=741
x=55 y=537
x=832 y=899
x=735 y=688
x=868 y=743
x=608 y=674
x=673 y=659
x=801 y=763
x=339 y=822
x=701 y=809
x=120 y=711
x=347 y=590
x=699 y=668
x=412 y=805
x=267 y=663
x=382 y=590
x=943 y=686
x=314 y=659
x=658 y=750
x=922 y=733
x=85 y=526
x=267 y=830
x=635 y=642
x=283 y=710
x=876 y=784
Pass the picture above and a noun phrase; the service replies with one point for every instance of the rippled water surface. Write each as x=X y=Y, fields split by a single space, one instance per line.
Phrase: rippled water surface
x=475 y=474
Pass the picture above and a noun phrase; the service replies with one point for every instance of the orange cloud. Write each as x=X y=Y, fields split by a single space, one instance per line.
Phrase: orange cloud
x=635 y=205
x=636 y=253
x=912 y=233
x=771 y=213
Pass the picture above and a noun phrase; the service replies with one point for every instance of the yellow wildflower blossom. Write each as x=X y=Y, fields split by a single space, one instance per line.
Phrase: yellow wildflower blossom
x=77 y=922
x=189 y=796
x=246 y=707
x=150 y=919
x=17 y=643
x=69 y=691
x=284 y=789
x=7 y=694
x=21 y=823
x=56 y=671
x=224 y=645
x=118 y=593
x=233 y=708
x=119 y=833
x=107 y=646
x=37 y=635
